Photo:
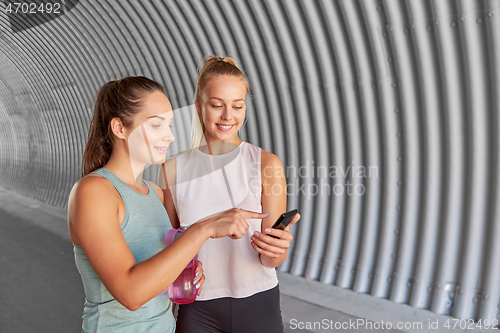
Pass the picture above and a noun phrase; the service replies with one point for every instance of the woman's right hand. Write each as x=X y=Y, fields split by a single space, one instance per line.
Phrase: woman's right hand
x=230 y=223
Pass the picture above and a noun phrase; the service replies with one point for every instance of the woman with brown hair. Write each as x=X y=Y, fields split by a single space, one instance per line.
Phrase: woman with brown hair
x=117 y=221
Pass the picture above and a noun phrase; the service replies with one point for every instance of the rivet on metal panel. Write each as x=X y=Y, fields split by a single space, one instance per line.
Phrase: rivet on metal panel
x=389 y=279
x=416 y=280
x=400 y=183
x=353 y=271
x=429 y=27
x=407 y=31
x=398 y=207
x=408 y=284
x=437 y=285
x=394 y=85
x=462 y=18
x=379 y=8
x=391 y=29
x=491 y=14
x=398 y=134
x=389 y=59
x=452 y=294
x=384 y=34
x=393 y=256
x=479 y=20
x=437 y=22
x=370 y=275
x=461 y=291
x=374 y=86
x=474 y=300
x=448 y=303
x=336 y=267
x=486 y=297
x=400 y=158
x=429 y=289
x=413 y=26
x=396 y=231
x=453 y=24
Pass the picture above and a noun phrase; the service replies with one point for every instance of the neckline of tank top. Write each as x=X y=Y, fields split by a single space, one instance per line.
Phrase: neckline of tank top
x=130 y=187
x=220 y=155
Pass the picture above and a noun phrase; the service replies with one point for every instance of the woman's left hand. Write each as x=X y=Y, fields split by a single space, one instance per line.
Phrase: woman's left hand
x=199 y=278
x=270 y=246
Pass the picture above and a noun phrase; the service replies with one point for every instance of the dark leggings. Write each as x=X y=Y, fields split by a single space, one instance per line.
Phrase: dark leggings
x=254 y=314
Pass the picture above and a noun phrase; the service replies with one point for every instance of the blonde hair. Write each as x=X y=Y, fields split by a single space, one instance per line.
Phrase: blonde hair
x=213 y=66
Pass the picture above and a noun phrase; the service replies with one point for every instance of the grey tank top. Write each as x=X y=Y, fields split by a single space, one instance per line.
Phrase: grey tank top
x=144 y=228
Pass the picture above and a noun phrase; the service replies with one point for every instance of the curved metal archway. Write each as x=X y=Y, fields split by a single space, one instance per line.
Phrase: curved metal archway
x=403 y=93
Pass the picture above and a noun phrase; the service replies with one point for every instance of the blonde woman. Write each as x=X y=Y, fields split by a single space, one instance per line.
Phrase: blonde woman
x=241 y=292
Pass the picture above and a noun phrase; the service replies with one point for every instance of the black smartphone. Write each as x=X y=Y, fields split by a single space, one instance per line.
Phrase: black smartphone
x=284 y=220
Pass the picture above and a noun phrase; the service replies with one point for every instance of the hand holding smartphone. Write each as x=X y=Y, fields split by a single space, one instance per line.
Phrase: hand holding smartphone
x=284 y=220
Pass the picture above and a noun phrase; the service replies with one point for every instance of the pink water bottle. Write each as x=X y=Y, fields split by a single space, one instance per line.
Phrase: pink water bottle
x=183 y=290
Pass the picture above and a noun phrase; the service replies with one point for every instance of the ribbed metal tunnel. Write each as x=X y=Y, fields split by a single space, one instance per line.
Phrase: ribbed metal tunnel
x=385 y=114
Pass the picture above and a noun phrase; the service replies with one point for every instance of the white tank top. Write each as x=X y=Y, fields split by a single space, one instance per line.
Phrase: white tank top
x=209 y=184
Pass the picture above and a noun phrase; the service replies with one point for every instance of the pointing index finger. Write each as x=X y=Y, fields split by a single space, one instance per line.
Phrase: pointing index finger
x=248 y=214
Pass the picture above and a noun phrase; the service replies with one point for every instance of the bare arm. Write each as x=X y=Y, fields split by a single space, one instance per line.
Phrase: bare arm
x=93 y=218
x=272 y=251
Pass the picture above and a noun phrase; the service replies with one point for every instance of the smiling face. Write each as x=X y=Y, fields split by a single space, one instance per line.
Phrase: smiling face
x=151 y=134
x=222 y=105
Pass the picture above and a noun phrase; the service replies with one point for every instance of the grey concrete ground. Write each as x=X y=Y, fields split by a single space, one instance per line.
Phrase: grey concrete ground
x=330 y=307
x=41 y=290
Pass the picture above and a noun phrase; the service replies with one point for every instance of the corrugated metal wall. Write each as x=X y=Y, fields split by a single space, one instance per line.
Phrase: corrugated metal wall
x=385 y=113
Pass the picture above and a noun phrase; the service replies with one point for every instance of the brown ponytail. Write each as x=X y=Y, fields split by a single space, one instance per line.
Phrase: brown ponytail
x=115 y=99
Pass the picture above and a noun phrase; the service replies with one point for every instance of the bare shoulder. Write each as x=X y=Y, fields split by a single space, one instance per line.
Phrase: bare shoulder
x=93 y=188
x=93 y=200
x=271 y=168
x=92 y=184
x=268 y=159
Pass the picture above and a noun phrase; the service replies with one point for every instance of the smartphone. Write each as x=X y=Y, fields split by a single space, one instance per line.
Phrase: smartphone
x=284 y=220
